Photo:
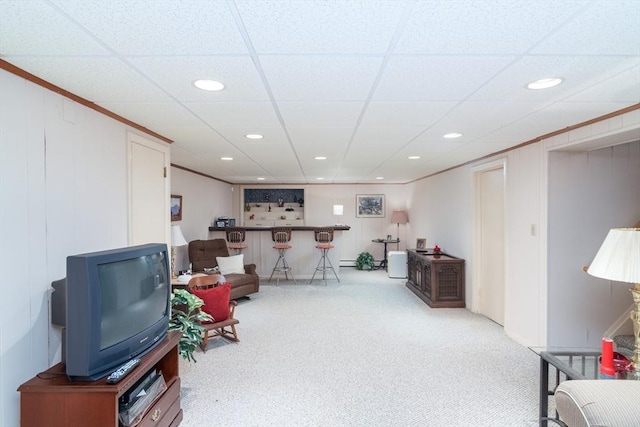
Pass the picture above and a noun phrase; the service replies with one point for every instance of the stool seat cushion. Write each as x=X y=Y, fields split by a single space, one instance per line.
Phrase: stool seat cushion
x=325 y=246
x=282 y=246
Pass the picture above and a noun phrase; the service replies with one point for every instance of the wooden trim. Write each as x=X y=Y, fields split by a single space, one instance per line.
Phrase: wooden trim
x=200 y=173
x=7 y=66
x=538 y=139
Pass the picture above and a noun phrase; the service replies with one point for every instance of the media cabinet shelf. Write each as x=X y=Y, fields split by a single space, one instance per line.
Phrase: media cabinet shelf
x=50 y=399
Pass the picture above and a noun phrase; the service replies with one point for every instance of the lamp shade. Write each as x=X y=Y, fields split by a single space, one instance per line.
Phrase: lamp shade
x=619 y=256
x=338 y=209
x=177 y=238
x=399 y=217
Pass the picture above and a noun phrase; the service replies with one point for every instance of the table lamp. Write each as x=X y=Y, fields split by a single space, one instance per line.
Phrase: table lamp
x=338 y=211
x=618 y=259
x=399 y=217
x=177 y=239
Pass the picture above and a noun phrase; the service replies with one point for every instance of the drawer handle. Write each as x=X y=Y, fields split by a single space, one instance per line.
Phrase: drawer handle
x=155 y=415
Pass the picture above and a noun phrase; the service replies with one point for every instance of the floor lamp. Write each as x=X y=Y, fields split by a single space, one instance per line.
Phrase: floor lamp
x=177 y=239
x=399 y=217
x=618 y=259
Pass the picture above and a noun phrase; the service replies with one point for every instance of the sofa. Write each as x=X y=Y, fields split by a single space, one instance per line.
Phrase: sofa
x=598 y=403
x=203 y=253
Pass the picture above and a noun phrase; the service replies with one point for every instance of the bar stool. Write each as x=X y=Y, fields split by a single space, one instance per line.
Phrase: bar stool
x=324 y=237
x=281 y=237
x=235 y=239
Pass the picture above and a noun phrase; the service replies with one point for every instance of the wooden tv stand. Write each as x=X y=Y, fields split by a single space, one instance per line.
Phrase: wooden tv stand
x=50 y=399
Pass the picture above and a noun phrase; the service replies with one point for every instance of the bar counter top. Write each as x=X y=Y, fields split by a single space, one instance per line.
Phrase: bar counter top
x=293 y=228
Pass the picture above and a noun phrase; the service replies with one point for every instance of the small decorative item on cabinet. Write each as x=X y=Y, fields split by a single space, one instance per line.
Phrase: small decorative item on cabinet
x=283 y=217
x=253 y=216
x=280 y=203
x=289 y=209
x=247 y=207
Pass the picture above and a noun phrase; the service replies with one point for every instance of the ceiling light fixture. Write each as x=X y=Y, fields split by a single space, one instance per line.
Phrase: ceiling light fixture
x=320 y=158
x=413 y=157
x=452 y=135
x=226 y=158
x=253 y=136
x=260 y=178
x=544 y=83
x=379 y=177
x=319 y=178
x=209 y=85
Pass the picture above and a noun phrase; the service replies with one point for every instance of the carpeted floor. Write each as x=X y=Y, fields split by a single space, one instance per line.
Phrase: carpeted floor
x=365 y=352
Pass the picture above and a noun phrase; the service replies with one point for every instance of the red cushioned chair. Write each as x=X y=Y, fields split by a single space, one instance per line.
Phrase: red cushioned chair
x=218 y=305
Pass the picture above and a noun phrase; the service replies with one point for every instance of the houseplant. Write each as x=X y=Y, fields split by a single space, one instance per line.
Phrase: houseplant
x=186 y=317
x=364 y=261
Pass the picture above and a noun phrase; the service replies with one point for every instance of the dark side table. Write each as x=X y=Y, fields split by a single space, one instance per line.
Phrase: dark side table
x=383 y=263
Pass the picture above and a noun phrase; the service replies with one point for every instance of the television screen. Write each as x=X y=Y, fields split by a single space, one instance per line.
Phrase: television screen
x=133 y=297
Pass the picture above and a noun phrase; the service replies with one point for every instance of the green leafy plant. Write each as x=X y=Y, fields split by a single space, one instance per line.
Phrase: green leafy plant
x=186 y=317
x=364 y=261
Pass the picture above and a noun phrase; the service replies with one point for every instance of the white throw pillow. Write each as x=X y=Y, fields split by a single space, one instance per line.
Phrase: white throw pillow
x=231 y=264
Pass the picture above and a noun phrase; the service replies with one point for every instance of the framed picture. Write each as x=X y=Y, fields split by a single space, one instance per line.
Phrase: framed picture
x=176 y=208
x=221 y=224
x=421 y=244
x=370 y=206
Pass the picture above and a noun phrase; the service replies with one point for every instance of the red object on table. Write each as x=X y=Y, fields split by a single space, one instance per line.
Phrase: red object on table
x=606 y=361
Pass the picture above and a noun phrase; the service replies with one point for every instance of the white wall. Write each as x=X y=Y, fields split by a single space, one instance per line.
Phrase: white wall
x=203 y=200
x=589 y=194
x=63 y=190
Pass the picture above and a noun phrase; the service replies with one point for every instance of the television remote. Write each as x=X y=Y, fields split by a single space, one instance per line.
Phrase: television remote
x=122 y=371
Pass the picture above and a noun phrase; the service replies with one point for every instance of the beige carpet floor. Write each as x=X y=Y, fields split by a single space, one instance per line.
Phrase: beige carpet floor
x=364 y=352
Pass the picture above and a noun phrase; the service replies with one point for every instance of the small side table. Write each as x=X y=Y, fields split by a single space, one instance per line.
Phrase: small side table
x=384 y=262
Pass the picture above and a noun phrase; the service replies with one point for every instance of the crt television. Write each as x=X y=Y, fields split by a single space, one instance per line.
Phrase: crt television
x=113 y=306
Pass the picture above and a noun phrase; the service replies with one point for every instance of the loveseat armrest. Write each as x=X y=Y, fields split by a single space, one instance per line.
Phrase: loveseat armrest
x=599 y=402
x=250 y=269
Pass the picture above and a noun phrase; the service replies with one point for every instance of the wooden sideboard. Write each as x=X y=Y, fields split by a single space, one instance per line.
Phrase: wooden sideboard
x=438 y=279
x=50 y=399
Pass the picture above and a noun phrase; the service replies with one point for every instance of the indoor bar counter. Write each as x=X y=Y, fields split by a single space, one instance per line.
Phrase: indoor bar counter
x=303 y=256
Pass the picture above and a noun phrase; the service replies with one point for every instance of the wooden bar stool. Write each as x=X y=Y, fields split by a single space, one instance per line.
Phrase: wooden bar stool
x=324 y=237
x=281 y=237
x=235 y=239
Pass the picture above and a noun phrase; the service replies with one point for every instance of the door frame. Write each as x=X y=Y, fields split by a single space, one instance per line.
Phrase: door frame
x=134 y=138
x=476 y=255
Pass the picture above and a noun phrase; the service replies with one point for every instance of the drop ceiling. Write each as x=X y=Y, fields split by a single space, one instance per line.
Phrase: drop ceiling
x=364 y=83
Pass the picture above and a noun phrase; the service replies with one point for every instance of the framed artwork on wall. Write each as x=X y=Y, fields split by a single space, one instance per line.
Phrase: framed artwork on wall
x=176 y=208
x=370 y=206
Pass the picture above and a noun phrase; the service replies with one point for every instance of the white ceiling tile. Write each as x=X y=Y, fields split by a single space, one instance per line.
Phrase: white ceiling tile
x=436 y=78
x=578 y=72
x=164 y=27
x=605 y=27
x=248 y=115
x=312 y=27
x=481 y=27
x=36 y=28
x=397 y=114
x=320 y=78
x=176 y=75
x=320 y=114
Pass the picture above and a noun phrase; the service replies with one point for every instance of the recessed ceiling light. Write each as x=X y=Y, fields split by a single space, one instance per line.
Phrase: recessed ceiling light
x=319 y=178
x=253 y=136
x=544 y=83
x=260 y=178
x=320 y=158
x=226 y=158
x=379 y=177
x=452 y=135
x=210 y=85
x=413 y=157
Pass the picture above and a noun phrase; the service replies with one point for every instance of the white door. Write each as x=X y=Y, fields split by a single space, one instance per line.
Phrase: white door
x=149 y=191
x=491 y=245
